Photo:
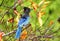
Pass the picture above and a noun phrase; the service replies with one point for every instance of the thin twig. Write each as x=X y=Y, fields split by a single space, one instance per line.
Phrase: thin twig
x=45 y=36
x=15 y=30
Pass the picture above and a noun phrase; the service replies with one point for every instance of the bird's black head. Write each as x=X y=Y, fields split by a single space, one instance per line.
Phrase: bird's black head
x=26 y=10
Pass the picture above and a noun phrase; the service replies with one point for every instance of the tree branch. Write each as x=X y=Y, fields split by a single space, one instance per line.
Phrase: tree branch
x=15 y=30
x=45 y=36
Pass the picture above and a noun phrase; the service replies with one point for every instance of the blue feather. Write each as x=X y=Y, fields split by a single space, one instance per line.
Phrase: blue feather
x=18 y=32
x=22 y=22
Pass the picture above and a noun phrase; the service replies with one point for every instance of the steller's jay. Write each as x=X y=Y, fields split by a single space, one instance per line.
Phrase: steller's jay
x=24 y=20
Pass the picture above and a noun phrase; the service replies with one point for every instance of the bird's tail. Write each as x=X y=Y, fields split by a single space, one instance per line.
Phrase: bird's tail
x=18 y=32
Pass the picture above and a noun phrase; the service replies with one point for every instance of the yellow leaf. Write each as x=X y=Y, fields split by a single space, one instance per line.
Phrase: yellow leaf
x=40 y=21
x=34 y=5
x=24 y=34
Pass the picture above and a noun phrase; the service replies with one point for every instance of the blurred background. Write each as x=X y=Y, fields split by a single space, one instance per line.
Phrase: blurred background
x=44 y=21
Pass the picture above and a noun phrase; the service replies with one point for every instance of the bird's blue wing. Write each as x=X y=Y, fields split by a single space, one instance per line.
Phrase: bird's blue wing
x=26 y=21
x=20 y=25
x=21 y=21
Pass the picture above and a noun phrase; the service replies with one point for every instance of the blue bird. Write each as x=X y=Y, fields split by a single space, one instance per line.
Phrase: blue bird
x=24 y=20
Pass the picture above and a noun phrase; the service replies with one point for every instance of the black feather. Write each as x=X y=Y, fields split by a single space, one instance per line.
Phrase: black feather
x=26 y=10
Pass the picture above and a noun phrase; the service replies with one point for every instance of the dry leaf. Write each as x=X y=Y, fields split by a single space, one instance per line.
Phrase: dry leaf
x=24 y=34
x=34 y=5
x=1 y=33
x=11 y=20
